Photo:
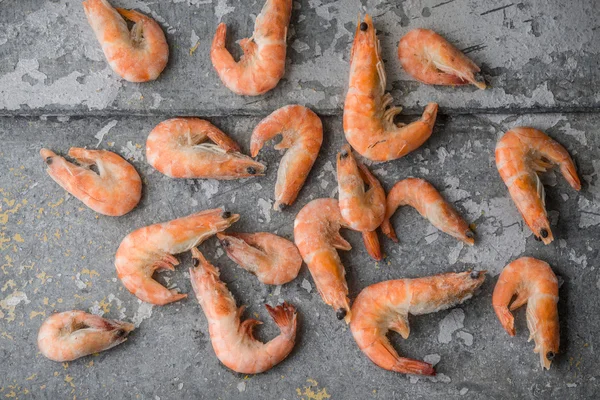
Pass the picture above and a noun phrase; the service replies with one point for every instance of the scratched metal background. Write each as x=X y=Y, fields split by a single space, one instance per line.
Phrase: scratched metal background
x=542 y=61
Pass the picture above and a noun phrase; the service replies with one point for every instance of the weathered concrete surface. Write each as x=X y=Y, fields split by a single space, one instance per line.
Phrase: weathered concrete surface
x=56 y=255
x=537 y=55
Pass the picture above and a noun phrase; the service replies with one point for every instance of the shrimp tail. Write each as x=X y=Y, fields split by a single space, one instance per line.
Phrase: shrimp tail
x=372 y=245
x=388 y=230
x=388 y=358
x=285 y=316
x=506 y=319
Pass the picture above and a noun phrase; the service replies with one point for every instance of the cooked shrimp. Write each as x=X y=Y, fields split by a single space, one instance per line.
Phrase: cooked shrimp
x=431 y=59
x=69 y=335
x=136 y=56
x=302 y=133
x=368 y=122
x=521 y=154
x=534 y=283
x=273 y=259
x=263 y=63
x=421 y=195
x=362 y=210
x=385 y=306
x=233 y=340
x=176 y=148
x=317 y=235
x=148 y=249
x=115 y=190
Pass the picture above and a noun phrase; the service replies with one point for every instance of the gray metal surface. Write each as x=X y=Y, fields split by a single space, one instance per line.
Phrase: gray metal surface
x=56 y=91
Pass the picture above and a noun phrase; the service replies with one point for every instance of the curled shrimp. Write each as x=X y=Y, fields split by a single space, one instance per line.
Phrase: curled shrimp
x=385 y=306
x=273 y=259
x=176 y=147
x=150 y=248
x=368 y=122
x=421 y=195
x=69 y=335
x=302 y=133
x=317 y=236
x=136 y=56
x=115 y=190
x=521 y=154
x=263 y=63
x=233 y=340
x=534 y=283
x=363 y=210
x=431 y=59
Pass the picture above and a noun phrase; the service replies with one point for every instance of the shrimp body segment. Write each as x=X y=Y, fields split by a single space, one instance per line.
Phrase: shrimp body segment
x=151 y=248
x=136 y=56
x=273 y=259
x=363 y=210
x=317 y=235
x=368 y=122
x=302 y=134
x=177 y=148
x=69 y=335
x=115 y=190
x=385 y=306
x=263 y=63
x=421 y=195
x=533 y=282
x=431 y=59
x=521 y=154
x=233 y=340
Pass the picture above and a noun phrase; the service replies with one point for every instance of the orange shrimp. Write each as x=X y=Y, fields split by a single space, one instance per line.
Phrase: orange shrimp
x=115 y=190
x=136 y=56
x=273 y=259
x=176 y=148
x=431 y=59
x=521 y=154
x=233 y=340
x=385 y=306
x=150 y=248
x=534 y=283
x=69 y=335
x=368 y=122
x=362 y=210
x=263 y=63
x=302 y=133
x=421 y=195
x=317 y=236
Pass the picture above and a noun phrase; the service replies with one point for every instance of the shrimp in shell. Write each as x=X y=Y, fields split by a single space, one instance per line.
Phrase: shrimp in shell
x=302 y=134
x=176 y=148
x=534 y=283
x=150 y=248
x=317 y=236
x=363 y=210
x=421 y=195
x=521 y=154
x=115 y=190
x=385 y=306
x=263 y=63
x=431 y=59
x=69 y=335
x=233 y=340
x=273 y=259
x=136 y=56
x=368 y=122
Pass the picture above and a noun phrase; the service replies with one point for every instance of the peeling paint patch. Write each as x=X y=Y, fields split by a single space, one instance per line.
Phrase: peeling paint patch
x=105 y=129
x=143 y=312
x=450 y=324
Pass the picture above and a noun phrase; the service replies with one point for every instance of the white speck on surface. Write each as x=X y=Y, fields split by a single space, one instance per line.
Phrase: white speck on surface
x=452 y=192
x=450 y=324
x=324 y=184
x=144 y=312
x=277 y=290
x=306 y=285
x=194 y=202
x=156 y=100
x=466 y=337
x=300 y=46
x=564 y=196
x=463 y=391
x=131 y=152
x=241 y=387
x=96 y=309
x=78 y=282
x=380 y=171
x=432 y=234
x=219 y=253
x=442 y=154
x=265 y=209
x=455 y=253
x=194 y=39
x=221 y=9
x=14 y=299
x=209 y=187
x=180 y=386
x=432 y=359
x=102 y=132
x=579 y=260
x=571 y=385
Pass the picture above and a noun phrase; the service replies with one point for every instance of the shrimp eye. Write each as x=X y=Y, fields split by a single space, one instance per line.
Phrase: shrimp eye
x=49 y=160
x=469 y=233
x=226 y=214
x=195 y=262
x=474 y=274
x=550 y=355
x=251 y=170
x=344 y=154
x=225 y=243
x=340 y=314
x=544 y=233
x=283 y=206
x=363 y=27
x=121 y=333
x=537 y=239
